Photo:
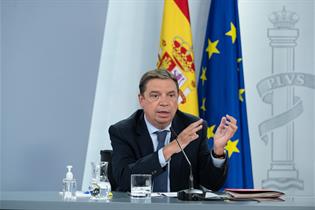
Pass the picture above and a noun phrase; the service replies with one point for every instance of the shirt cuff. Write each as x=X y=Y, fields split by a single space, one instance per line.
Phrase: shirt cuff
x=218 y=162
x=162 y=160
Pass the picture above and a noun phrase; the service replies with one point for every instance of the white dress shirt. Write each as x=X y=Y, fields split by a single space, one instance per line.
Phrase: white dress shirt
x=152 y=131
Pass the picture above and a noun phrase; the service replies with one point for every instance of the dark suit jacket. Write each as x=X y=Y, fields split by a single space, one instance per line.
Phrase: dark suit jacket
x=133 y=153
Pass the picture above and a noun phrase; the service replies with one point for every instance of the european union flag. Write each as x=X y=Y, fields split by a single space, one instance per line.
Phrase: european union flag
x=221 y=88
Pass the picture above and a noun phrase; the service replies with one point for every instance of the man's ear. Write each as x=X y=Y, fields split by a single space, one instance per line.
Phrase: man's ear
x=140 y=98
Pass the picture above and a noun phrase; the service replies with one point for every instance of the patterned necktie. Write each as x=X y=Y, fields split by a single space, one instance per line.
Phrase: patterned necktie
x=160 y=181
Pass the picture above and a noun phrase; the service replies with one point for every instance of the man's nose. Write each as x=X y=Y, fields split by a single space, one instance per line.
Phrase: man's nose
x=164 y=101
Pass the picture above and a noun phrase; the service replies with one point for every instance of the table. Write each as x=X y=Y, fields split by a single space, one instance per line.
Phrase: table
x=32 y=200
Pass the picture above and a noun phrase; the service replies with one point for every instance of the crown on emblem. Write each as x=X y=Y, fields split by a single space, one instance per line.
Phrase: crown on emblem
x=183 y=54
x=283 y=18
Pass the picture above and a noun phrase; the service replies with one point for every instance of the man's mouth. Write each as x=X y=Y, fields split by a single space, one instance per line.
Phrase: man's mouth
x=163 y=113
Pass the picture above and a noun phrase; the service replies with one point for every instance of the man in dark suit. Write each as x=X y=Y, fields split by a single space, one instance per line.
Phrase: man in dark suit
x=137 y=147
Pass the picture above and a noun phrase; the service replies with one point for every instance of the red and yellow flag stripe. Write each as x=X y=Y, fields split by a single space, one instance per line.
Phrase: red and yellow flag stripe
x=176 y=53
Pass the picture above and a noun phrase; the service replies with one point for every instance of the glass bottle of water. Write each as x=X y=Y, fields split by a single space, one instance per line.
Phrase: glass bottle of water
x=105 y=187
x=94 y=187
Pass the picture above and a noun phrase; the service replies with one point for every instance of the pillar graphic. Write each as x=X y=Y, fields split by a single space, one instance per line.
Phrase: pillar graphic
x=278 y=91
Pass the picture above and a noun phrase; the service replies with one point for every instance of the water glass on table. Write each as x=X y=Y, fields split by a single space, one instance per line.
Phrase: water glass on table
x=141 y=185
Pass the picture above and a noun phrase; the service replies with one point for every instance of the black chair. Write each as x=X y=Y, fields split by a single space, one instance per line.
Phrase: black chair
x=106 y=156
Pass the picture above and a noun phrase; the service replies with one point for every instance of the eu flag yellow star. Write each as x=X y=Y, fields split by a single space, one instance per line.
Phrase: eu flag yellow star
x=231 y=147
x=203 y=106
x=212 y=48
x=203 y=76
x=210 y=131
x=232 y=32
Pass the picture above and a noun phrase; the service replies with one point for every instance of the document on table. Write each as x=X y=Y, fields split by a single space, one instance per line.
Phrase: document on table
x=208 y=195
x=212 y=195
x=166 y=194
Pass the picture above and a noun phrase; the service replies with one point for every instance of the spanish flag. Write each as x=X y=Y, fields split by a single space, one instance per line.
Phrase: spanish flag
x=176 y=53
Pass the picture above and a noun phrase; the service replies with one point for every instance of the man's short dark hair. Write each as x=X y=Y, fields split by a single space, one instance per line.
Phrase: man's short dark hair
x=156 y=74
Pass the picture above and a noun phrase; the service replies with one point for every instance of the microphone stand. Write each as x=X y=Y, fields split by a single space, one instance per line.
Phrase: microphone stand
x=190 y=194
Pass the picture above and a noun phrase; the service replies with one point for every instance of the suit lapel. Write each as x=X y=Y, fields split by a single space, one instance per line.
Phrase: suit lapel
x=144 y=140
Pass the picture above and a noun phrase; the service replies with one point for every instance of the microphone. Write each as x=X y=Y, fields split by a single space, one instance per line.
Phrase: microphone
x=190 y=194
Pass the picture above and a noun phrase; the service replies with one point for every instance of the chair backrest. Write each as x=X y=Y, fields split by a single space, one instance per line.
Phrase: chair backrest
x=106 y=156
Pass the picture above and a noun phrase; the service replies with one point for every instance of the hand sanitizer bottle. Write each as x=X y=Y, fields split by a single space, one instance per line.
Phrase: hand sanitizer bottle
x=69 y=185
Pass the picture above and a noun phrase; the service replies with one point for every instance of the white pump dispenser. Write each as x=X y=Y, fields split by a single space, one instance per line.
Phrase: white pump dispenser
x=69 y=185
x=69 y=175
